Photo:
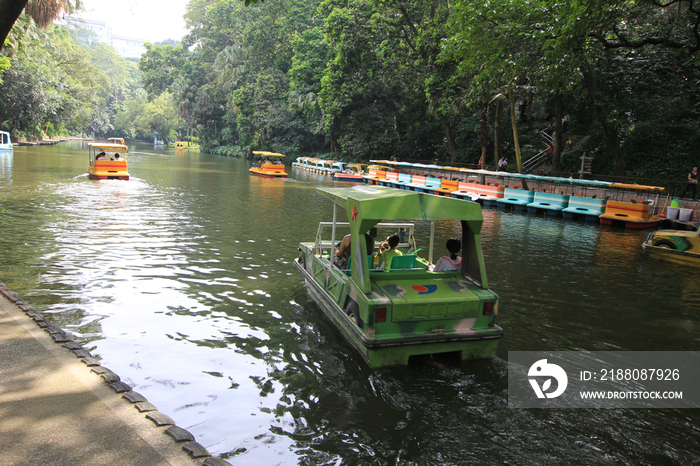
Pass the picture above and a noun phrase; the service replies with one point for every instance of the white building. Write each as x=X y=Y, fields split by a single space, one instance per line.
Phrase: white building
x=127 y=47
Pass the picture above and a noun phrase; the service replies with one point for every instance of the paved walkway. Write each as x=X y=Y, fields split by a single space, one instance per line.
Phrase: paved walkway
x=54 y=410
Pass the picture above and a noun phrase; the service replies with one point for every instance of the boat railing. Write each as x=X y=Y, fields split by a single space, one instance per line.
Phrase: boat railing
x=324 y=246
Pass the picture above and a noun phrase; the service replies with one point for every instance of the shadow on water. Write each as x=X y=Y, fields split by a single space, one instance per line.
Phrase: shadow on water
x=181 y=281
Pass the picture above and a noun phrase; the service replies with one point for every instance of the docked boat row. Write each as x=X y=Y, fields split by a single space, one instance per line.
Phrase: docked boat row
x=315 y=165
x=629 y=205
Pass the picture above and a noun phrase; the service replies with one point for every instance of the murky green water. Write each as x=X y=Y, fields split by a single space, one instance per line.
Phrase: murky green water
x=181 y=281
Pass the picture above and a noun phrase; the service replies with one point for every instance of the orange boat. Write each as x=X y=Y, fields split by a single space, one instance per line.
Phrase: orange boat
x=270 y=165
x=107 y=161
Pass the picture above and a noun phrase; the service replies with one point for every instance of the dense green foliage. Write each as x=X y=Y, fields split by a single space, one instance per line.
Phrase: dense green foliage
x=374 y=79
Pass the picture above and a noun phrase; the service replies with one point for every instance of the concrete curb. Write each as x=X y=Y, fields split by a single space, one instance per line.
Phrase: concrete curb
x=51 y=404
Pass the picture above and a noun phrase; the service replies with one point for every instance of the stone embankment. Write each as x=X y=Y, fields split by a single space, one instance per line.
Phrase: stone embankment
x=60 y=406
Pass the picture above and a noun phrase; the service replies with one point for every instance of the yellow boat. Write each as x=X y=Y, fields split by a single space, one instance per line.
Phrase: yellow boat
x=679 y=246
x=270 y=165
x=107 y=161
x=184 y=146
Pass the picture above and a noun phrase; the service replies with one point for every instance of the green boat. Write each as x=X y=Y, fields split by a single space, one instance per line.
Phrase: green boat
x=390 y=317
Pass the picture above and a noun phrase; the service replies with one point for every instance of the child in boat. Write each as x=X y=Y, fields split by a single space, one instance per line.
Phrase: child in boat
x=453 y=261
x=388 y=250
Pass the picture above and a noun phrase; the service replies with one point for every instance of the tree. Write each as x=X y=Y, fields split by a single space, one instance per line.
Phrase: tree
x=9 y=12
x=159 y=116
x=44 y=12
x=160 y=67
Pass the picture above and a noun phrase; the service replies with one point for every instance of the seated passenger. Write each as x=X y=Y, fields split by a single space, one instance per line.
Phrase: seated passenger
x=101 y=156
x=342 y=252
x=388 y=250
x=453 y=261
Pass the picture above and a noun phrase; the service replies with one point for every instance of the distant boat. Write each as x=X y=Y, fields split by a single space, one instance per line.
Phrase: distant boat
x=157 y=142
x=5 y=142
x=270 y=165
x=353 y=172
x=107 y=161
x=183 y=146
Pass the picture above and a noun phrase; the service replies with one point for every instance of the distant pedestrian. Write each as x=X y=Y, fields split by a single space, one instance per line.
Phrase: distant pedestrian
x=502 y=164
x=692 y=182
x=550 y=152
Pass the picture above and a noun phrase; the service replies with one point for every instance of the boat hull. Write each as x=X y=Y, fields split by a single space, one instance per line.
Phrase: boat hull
x=632 y=225
x=107 y=177
x=398 y=351
x=673 y=256
x=678 y=246
x=267 y=173
x=109 y=170
x=348 y=177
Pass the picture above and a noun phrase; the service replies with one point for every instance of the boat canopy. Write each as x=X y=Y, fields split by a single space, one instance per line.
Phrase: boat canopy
x=637 y=187
x=366 y=206
x=109 y=147
x=264 y=153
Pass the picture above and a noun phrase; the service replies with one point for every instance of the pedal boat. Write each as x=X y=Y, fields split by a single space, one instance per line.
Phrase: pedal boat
x=114 y=166
x=411 y=311
x=679 y=246
x=270 y=165
x=354 y=172
x=5 y=141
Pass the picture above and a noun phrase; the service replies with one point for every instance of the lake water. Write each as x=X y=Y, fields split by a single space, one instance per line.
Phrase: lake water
x=181 y=281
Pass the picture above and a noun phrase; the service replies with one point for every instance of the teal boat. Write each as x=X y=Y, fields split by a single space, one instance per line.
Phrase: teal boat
x=390 y=317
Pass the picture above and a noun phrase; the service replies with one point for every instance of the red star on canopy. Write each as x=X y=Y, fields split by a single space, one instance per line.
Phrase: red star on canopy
x=354 y=213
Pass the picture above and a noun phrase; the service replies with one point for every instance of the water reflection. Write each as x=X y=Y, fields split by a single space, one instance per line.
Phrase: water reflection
x=181 y=281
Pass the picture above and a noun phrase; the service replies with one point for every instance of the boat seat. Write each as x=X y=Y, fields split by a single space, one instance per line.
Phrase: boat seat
x=403 y=263
x=370 y=263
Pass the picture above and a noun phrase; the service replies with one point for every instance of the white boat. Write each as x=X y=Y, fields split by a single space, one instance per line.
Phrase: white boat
x=5 y=142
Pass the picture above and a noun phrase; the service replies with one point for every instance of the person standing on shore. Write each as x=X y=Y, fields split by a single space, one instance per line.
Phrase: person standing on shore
x=692 y=182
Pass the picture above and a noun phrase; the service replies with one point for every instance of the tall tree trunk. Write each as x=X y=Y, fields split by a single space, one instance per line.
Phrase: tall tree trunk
x=516 y=142
x=602 y=114
x=451 y=144
x=558 y=130
x=497 y=132
x=334 y=146
x=9 y=12
x=484 y=133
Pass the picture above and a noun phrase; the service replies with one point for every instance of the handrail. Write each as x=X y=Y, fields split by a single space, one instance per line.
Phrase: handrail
x=547 y=138
x=534 y=161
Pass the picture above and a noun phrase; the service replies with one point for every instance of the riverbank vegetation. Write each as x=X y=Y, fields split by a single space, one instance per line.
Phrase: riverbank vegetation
x=364 y=79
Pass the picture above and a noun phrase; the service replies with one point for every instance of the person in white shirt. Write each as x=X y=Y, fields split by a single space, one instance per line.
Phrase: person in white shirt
x=453 y=261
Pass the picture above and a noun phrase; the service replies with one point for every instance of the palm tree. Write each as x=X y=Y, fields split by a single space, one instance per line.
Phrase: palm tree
x=229 y=64
x=184 y=96
x=43 y=12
